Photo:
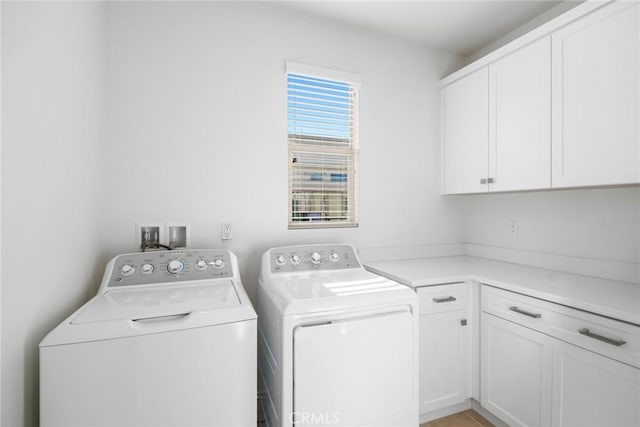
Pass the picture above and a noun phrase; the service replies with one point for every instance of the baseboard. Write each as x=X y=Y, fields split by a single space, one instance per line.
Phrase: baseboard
x=497 y=422
x=460 y=407
x=605 y=269
x=449 y=410
x=405 y=252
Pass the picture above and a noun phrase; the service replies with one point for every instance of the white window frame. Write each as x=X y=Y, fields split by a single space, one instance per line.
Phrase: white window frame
x=351 y=152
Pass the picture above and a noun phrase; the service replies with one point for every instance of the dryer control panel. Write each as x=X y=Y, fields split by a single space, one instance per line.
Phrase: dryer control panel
x=146 y=268
x=292 y=259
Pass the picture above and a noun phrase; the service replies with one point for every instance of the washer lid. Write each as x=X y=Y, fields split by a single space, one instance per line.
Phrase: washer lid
x=316 y=291
x=149 y=303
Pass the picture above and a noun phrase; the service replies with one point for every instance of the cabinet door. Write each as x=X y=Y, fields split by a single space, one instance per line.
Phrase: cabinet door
x=465 y=139
x=515 y=372
x=592 y=390
x=596 y=91
x=445 y=360
x=520 y=119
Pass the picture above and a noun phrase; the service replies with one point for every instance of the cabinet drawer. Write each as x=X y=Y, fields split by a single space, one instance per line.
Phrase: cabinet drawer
x=602 y=335
x=443 y=298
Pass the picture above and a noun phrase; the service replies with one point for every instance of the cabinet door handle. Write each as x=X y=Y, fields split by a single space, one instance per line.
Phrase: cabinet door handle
x=526 y=313
x=490 y=180
x=445 y=299
x=587 y=332
x=483 y=180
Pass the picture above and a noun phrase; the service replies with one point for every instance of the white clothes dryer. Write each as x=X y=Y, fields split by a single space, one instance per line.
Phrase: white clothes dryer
x=169 y=340
x=338 y=345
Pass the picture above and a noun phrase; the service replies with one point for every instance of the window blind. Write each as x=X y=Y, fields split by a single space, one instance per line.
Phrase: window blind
x=322 y=117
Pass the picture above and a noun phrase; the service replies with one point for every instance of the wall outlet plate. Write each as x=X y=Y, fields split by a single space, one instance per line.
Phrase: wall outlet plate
x=226 y=232
x=514 y=226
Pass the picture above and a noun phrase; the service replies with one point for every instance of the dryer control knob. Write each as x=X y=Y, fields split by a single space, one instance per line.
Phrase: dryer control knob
x=146 y=268
x=334 y=257
x=295 y=259
x=280 y=260
x=201 y=265
x=127 y=270
x=315 y=258
x=218 y=263
x=175 y=266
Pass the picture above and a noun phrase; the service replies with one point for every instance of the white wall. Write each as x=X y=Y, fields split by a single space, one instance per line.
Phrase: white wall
x=156 y=111
x=191 y=98
x=53 y=57
x=600 y=224
x=197 y=127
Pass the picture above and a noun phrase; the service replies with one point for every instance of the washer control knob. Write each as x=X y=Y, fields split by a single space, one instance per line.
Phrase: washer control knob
x=147 y=268
x=175 y=266
x=201 y=265
x=127 y=270
x=315 y=258
x=334 y=257
x=280 y=260
x=219 y=263
x=295 y=259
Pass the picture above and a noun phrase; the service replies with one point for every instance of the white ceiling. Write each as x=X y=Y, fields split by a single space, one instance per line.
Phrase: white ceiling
x=461 y=27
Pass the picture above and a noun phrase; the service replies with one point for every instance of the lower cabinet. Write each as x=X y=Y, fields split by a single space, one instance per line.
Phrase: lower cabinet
x=516 y=366
x=537 y=363
x=530 y=378
x=445 y=345
x=593 y=390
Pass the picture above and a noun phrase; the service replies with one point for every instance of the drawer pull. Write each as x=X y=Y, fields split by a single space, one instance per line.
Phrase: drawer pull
x=587 y=332
x=526 y=313
x=446 y=299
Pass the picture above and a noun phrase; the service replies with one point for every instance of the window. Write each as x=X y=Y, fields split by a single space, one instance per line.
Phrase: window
x=322 y=117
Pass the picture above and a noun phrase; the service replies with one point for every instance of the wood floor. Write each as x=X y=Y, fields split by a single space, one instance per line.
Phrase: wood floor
x=469 y=418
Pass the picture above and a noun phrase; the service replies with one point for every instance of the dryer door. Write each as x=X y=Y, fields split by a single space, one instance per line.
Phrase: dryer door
x=355 y=372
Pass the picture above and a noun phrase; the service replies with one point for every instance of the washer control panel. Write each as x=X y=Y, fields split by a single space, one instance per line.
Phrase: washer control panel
x=314 y=257
x=145 y=268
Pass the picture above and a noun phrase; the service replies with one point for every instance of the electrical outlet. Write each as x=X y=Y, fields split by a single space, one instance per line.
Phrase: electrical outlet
x=515 y=227
x=226 y=232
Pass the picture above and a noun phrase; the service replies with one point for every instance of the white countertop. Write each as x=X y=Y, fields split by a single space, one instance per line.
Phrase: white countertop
x=619 y=300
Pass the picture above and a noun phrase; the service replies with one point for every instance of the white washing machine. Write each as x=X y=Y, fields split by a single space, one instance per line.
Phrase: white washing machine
x=338 y=345
x=169 y=340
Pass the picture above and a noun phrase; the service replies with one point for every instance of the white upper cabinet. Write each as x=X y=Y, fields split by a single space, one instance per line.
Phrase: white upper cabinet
x=557 y=107
x=520 y=119
x=496 y=125
x=596 y=92
x=465 y=133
